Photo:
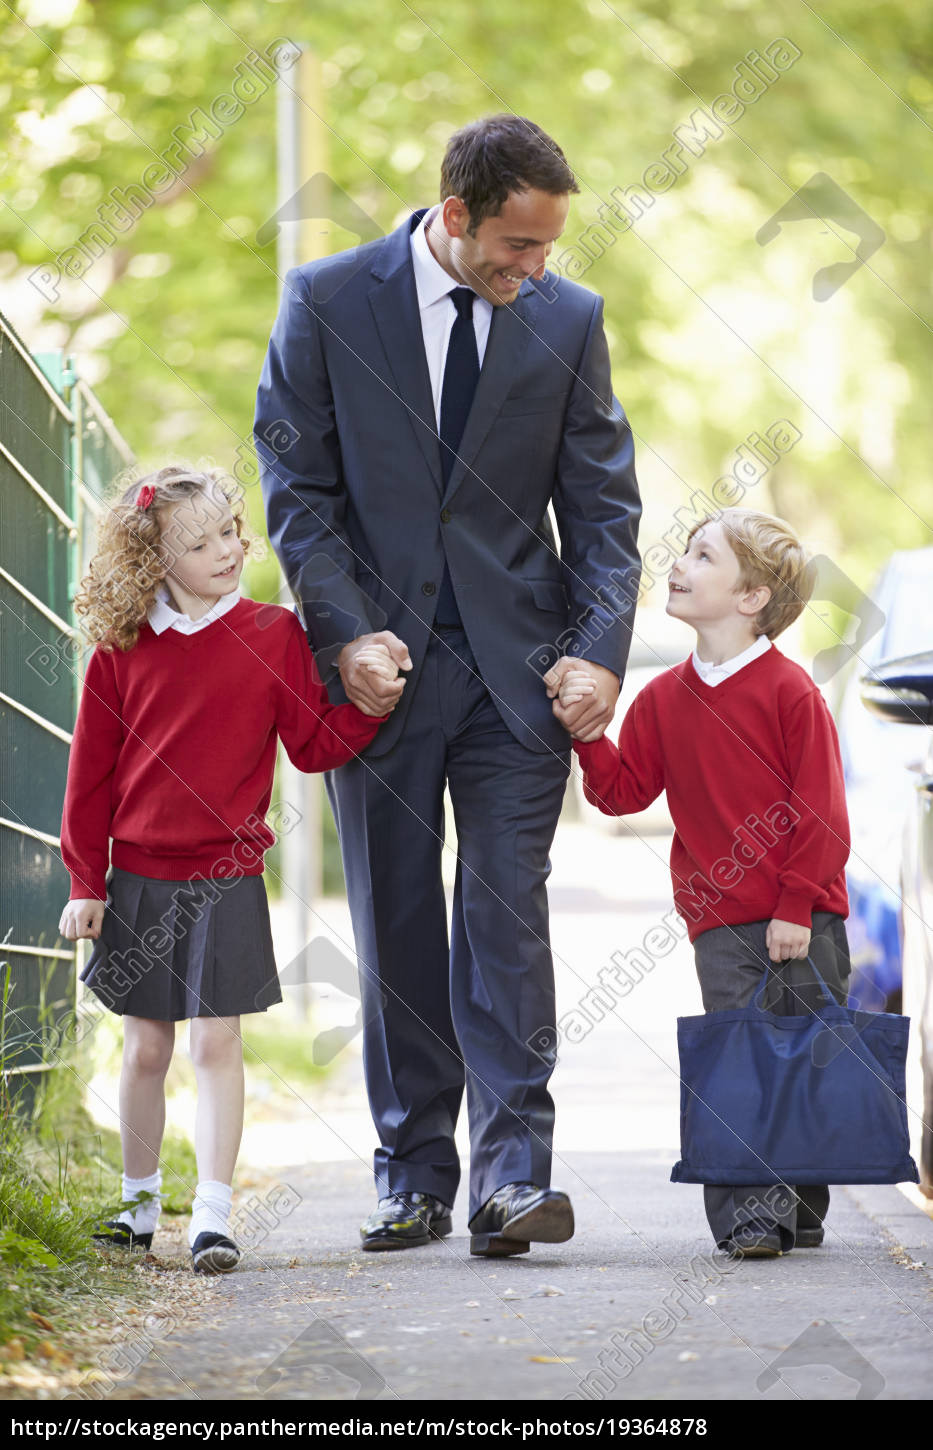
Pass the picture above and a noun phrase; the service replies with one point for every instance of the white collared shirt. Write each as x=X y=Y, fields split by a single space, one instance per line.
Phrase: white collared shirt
x=162 y=615
x=438 y=312
x=714 y=675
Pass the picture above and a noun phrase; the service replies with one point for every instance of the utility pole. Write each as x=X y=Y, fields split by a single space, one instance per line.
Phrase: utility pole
x=302 y=153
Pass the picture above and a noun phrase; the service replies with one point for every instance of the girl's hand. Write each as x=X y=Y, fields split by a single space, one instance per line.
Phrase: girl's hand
x=575 y=685
x=82 y=919
x=367 y=689
x=786 y=941
x=376 y=659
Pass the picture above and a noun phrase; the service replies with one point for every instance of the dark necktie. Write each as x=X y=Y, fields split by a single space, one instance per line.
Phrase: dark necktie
x=461 y=372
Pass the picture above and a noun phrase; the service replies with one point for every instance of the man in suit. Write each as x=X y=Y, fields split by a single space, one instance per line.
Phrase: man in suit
x=424 y=399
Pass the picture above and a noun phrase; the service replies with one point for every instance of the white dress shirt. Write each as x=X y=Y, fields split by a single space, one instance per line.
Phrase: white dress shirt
x=438 y=312
x=163 y=615
x=714 y=675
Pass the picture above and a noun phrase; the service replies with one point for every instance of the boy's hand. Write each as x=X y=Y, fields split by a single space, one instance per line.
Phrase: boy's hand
x=574 y=686
x=587 y=718
x=82 y=919
x=786 y=940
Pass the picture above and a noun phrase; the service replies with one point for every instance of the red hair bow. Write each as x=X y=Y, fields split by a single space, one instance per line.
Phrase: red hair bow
x=145 y=496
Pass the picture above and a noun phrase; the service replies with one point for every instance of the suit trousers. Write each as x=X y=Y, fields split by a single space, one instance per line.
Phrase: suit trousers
x=443 y=1012
x=731 y=962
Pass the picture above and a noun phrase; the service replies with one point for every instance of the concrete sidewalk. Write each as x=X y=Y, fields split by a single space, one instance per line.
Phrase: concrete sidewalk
x=634 y=1307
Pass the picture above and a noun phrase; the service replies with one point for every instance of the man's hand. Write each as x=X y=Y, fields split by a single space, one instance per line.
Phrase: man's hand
x=82 y=919
x=587 y=717
x=369 y=668
x=786 y=940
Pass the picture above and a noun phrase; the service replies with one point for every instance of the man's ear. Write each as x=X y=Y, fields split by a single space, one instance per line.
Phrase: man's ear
x=754 y=600
x=455 y=216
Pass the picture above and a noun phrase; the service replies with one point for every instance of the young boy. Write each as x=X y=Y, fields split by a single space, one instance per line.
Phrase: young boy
x=742 y=742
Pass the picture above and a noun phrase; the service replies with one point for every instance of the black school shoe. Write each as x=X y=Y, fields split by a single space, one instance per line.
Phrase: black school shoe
x=518 y=1215
x=808 y=1238
x=405 y=1221
x=119 y=1235
x=754 y=1240
x=214 y=1254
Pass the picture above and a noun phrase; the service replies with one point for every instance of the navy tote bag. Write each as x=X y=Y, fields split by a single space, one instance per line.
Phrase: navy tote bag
x=812 y=1099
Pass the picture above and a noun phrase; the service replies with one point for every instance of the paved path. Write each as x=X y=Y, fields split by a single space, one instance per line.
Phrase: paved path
x=635 y=1307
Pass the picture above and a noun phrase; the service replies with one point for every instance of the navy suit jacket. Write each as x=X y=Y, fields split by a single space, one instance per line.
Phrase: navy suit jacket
x=351 y=472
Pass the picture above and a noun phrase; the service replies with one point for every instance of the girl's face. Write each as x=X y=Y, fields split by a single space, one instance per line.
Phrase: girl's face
x=200 y=545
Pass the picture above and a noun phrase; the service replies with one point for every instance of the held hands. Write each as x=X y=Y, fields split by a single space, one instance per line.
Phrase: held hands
x=586 y=696
x=82 y=919
x=786 y=940
x=369 y=668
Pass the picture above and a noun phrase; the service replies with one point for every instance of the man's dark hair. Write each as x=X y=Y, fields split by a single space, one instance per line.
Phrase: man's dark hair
x=488 y=159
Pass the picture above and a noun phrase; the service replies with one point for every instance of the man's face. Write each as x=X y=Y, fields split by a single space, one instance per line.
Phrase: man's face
x=506 y=249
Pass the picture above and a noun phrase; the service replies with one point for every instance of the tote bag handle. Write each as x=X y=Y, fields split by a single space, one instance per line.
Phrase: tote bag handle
x=831 y=1008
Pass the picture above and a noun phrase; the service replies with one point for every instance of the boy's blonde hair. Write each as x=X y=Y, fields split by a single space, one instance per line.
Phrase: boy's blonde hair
x=769 y=553
x=124 y=576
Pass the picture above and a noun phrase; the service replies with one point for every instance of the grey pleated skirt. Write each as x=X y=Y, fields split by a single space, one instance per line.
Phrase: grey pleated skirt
x=170 y=950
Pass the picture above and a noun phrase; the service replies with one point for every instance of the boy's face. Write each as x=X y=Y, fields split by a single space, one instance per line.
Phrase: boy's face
x=704 y=587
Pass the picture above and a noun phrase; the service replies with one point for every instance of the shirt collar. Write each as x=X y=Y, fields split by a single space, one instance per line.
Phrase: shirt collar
x=163 y=616
x=713 y=674
x=431 y=281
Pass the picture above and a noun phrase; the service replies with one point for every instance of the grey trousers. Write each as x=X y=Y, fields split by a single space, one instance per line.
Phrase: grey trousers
x=731 y=963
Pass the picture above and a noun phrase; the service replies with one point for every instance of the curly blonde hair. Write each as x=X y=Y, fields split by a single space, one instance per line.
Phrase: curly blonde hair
x=120 y=587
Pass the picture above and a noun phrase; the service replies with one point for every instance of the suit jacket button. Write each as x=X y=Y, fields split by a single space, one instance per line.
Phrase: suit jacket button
x=446 y=516
x=429 y=588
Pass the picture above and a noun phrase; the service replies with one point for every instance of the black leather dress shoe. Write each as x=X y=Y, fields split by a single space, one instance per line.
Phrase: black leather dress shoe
x=405 y=1222
x=808 y=1238
x=516 y=1215
x=119 y=1235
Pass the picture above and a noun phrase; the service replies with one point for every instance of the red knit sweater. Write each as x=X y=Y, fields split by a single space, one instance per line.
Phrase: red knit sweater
x=755 y=789
x=174 y=747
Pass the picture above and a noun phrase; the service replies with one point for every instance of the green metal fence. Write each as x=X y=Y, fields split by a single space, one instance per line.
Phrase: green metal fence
x=58 y=453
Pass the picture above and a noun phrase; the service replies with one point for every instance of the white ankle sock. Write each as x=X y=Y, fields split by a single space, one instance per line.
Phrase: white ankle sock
x=210 y=1210
x=142 y=1220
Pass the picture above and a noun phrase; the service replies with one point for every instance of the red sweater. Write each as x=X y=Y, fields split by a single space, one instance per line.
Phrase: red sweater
x=175 y=742
x=755 y=789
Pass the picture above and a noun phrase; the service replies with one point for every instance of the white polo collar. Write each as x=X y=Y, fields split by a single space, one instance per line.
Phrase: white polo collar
x=162 y=615
x=712 y=674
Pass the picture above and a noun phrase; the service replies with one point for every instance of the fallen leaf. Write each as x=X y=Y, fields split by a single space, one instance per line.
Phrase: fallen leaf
x=39 y=1319
x=552 y=1359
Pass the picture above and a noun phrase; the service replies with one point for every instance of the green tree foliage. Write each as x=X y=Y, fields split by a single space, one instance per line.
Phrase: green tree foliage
x=713 y=335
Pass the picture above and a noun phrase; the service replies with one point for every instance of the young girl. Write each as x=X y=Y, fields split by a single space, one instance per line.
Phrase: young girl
x=172 y=760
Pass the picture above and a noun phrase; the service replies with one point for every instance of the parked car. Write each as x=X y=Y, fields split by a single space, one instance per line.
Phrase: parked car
x=900 y=692
x=877 y=753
